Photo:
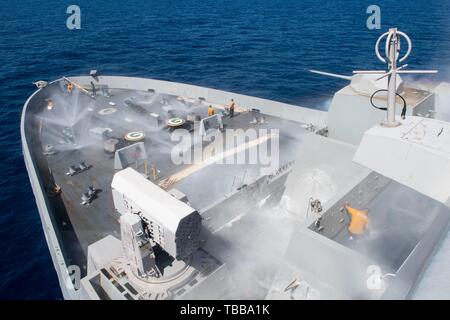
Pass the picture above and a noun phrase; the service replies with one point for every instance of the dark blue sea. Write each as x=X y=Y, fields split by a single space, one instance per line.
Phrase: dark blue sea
x=261 y=48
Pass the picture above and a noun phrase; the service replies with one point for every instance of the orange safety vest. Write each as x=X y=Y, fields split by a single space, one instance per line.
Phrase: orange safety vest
x=211 y=112
x=359 y=220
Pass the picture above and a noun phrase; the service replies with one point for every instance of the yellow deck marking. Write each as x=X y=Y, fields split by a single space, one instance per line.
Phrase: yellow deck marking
x=211 y=160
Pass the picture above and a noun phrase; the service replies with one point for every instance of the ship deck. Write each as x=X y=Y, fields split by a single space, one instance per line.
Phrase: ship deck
x=204 y=184
x=242 y=242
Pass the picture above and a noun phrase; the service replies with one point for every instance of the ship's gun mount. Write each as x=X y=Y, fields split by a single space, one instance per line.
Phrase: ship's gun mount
x=151 y=220
x=364 y=84
x=159 y=254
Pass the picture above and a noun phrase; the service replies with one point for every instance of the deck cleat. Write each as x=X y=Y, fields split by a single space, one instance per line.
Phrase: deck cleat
x=72 y=171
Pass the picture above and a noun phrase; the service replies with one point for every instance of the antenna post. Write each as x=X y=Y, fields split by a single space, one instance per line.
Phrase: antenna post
x=392 y=53
x=392 y=48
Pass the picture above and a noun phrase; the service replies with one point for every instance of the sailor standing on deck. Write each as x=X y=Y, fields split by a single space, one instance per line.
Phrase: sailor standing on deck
x=211 y=111
x=50 y=104
x=232 y=105
x=70 y=87
x=359 y=222
x=94 y=92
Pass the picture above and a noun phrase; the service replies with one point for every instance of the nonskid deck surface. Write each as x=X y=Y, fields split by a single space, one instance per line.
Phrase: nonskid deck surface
x=80 y=113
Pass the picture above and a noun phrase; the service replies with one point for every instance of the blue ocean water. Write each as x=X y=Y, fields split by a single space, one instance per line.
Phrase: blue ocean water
x=262 y=48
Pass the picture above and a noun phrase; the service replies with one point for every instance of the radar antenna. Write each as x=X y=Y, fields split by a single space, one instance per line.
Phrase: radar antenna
x=392 y=54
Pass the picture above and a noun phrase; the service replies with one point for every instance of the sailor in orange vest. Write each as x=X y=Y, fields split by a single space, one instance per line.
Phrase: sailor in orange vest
x=359 y=221
x=70 y=87
x=211 y=111
x=232 y=105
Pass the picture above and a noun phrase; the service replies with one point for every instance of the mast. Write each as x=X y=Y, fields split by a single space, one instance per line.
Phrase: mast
x=392 y=53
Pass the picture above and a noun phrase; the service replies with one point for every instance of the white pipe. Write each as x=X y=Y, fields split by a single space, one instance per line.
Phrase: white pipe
x=418 y=71
x=335 y=75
